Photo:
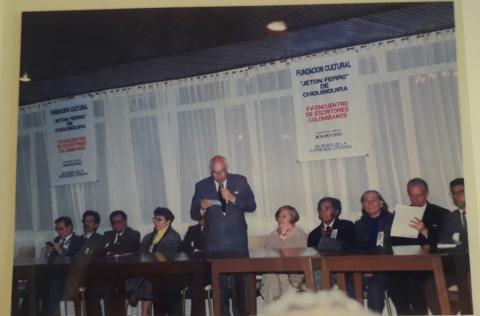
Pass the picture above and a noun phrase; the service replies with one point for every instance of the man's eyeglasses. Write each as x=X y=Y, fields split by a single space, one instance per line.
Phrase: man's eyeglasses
x=457 y=193
x=220 y=172
x=157 y=219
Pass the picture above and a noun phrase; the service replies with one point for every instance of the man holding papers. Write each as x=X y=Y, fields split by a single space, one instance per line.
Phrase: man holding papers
x=407 y=290
x=223 y=199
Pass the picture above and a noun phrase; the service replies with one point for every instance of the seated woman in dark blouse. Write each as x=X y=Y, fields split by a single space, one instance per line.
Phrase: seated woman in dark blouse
x=164 y=240
x=372 y=232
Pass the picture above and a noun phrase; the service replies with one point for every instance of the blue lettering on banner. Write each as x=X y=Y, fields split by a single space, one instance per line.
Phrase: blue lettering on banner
x=308 y=71
x=59 y=111
x=80 y=107
x=327 y=134
x=69 y=128
x=72 y=162
x=78 y=117
x=73 y=173
x=317 y=69
x=338 y=66
x=330 y=147
x=324 y=91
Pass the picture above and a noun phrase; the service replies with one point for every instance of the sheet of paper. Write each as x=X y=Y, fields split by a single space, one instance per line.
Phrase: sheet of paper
x=403 y=215
x=215 y=202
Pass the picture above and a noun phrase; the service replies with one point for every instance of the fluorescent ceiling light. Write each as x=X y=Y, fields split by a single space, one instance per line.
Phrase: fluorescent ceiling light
x=277 y=26
x=25 y=77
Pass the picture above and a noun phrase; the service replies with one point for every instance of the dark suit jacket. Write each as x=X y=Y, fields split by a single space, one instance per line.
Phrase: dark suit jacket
x=453 y=224
x=92 y=246
x=168 y=245
x=128 y=242
x=433 y=219
x=225 y=232
x=344 y=234
x=194 y=239
x=361 y=228
x=75 y=244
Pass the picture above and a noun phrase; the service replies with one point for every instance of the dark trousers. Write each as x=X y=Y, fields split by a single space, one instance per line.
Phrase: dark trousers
x=166 y=295
x=407 y=292
x=377 y=284
x=235 y=287
x=55 y=291
x=93 y=296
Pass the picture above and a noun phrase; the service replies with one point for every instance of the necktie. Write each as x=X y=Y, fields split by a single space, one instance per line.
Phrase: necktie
x=464 y=220
x=221 y=199
x=115 y=241
x=327 y=232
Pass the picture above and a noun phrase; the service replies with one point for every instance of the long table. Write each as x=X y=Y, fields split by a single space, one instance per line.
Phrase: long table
x=114 y=271
x=401 y=258
x=307 y=260
x=262 y=260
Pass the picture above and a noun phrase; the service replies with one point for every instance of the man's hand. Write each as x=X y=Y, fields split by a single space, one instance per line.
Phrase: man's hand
x=49 y=249
x=204 y=204
x=420 y=226
x=228 y=196
x=58 y=248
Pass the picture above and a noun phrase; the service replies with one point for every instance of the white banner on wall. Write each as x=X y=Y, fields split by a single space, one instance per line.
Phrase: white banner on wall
x=71 y=140
x=330 y=107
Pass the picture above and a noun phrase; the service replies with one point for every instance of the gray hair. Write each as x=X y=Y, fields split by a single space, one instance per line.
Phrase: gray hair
x=216 y=157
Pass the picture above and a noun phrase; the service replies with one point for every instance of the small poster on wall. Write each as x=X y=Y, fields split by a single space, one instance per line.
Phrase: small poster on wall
x=71 y=140
x=330 y=107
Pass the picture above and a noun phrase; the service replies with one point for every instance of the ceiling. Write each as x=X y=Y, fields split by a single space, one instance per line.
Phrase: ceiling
x=68 y=53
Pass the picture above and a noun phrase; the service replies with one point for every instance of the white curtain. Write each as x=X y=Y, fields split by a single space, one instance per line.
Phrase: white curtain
x=154 y=142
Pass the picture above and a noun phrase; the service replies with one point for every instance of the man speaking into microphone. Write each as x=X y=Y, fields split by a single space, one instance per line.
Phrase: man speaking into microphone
x=223 y=199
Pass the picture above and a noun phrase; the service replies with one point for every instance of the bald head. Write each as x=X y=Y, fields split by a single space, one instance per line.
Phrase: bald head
x=219 y=168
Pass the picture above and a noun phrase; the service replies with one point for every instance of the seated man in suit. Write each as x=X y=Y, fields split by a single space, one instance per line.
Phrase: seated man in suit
x=92 y=247
x=372 y=234
x=332 y=233
x=407 y=287
x=65 y=245
x=194 y=239
x=454 y=228
x=121 y=239
x=92 y=241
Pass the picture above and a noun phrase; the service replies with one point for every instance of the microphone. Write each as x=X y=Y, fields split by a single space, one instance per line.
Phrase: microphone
x=221 y=199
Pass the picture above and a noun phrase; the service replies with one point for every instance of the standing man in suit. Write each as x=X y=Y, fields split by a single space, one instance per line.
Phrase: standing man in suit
x=333 y=232
x=223 y=199
x=121 y=239
x=407 y=290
